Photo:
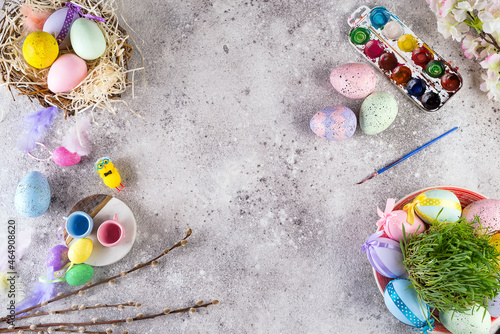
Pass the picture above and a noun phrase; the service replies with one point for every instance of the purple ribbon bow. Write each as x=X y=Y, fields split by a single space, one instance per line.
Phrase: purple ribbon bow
x=368 y=248
x=73 y=10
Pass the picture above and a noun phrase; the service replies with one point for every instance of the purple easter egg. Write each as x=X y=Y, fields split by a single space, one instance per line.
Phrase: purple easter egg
x=58 y=257
x=65 y=158
x=334 y=123
x=385 y=255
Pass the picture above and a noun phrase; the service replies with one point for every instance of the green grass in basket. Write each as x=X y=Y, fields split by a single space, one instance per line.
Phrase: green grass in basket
x=453 y=265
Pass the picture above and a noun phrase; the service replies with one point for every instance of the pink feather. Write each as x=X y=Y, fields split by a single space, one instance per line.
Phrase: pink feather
x=77 y=140
x=33 y=20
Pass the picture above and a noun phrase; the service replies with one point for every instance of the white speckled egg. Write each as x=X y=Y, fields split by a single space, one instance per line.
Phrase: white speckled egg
x=32 y=196
x=494 y=306
x=378 y=111
x=355 y=81
x=470 y=322
x=334 y=123
x=488 y=211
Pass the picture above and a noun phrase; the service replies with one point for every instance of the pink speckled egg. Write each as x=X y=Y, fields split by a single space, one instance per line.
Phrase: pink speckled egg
x=334 y=123
x=488 y=211
x=394 y=226
x=67 y=72
x=65 y=158
x=355 y=81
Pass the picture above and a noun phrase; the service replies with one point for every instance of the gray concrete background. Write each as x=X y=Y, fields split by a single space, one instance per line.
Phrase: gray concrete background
x=225 y=148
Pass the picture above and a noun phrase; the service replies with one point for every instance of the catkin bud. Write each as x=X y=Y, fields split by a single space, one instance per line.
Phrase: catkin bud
x=81 y=293
x=109 y=331
x=83 y=307
x=33 y=327
x=52 y=312
x=111 y=282
x=166 y=311
x=154 y=263
x=74 y=307
x=44 y=303
x=166 y=250
x=138 y=265
x=129 y=320
x=123 y=274
x=81 y=329
x=192 y=310
x=51 y=330
x=215 y=302
x=138 y=304
x=121 y=307
x=184 y=242
x=199 y=302
x=140 y=315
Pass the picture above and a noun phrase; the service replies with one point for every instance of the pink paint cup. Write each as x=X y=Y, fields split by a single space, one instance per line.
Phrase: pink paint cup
x=111 y=233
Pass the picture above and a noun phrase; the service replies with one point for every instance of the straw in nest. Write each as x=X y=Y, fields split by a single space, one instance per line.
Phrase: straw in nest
x=107 y=78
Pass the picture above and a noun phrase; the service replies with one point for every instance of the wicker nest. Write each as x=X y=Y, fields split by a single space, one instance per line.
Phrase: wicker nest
x=107 y=78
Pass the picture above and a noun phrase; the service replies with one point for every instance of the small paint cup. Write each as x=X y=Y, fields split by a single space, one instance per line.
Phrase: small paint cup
x=111 y=232
x=79 y=224
x=379 y=17
x=359 y=36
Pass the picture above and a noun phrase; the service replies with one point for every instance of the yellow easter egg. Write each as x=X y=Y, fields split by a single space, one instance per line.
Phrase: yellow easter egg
x=40 y=49
x=80 y=251
x=495 y=241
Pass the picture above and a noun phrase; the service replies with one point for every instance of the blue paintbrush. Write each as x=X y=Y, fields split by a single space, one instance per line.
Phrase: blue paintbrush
x=394 y=163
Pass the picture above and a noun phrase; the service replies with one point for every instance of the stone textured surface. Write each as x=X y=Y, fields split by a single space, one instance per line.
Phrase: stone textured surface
x=225 y=148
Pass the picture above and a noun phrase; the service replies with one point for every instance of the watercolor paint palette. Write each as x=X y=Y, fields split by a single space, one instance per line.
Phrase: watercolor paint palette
x=386 y=42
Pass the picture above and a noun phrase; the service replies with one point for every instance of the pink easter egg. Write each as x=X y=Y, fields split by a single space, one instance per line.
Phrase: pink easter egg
x=67 y=72
x=334 y=123
x=355 y=81
x=488 y=211
x=395 y=223
x=65 y=158
x=385 y=255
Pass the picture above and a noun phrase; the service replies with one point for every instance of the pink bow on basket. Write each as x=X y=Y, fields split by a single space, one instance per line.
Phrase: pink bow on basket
x=387 y=214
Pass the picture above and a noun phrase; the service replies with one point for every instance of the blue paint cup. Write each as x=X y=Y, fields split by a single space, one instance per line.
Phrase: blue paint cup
x=379 y=17
x=79 y=224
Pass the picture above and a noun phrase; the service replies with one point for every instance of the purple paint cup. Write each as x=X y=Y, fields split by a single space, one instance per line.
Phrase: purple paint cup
x=111 y=232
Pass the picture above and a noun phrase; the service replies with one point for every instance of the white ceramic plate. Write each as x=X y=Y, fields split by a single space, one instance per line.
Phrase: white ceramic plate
x=104 y=256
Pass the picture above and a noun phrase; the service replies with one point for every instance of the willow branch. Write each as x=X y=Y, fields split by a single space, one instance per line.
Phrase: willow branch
x=81 y=325
x=76 y=308
x=81 y=291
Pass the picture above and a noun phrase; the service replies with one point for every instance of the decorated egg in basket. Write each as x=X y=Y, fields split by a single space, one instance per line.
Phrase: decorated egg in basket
x=385 y=255
x=402 y=301
x=436 y=204
x=395 y=221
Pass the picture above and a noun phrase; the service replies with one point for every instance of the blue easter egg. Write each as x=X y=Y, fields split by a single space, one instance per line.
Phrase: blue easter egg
x=334 y=123
x=437 y=200
x=401 y=299
x=32 y=196
x=385 y=256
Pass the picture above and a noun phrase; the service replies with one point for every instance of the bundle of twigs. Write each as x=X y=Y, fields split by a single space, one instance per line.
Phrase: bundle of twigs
x=108 y=76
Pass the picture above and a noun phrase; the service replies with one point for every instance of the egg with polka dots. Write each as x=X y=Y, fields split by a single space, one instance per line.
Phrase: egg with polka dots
x=355 y=80
x=402 y=301
x=58 y=24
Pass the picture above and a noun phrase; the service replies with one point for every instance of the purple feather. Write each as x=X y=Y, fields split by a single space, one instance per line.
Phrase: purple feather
x=42 y=293
x=35 y=126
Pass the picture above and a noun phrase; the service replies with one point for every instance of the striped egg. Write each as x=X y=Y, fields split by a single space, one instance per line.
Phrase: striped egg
x=385 y=255
x=402 y=301
x=334 y=123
